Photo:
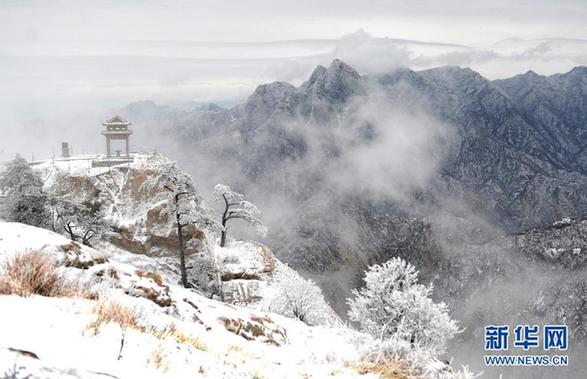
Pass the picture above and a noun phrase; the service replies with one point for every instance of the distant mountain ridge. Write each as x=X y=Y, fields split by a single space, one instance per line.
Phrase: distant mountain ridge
x=555 y=105
x=528 y=133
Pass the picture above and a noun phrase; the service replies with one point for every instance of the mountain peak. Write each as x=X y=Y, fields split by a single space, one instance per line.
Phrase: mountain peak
x=578 y=70
x=208 y=107
x=456 y=76
x=318 y=72
x=400 y=73
x=338 y=66
x=337 y=82
x=275 y=89
x=531 y=73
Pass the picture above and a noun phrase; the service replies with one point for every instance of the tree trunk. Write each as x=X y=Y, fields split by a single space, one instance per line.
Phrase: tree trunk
x=219 y=278
x=184 y=279
x=224 y=214
x=222 y=238
x=69 y=230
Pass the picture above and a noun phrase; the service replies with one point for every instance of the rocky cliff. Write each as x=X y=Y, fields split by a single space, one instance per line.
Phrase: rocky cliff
x=134 y=202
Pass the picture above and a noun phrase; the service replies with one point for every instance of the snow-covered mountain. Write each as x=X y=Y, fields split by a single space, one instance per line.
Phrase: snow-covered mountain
x=527 y=132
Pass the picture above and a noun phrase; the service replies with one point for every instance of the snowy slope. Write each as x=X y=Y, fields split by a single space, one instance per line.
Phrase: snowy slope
x=164 y=331
x=58 y=331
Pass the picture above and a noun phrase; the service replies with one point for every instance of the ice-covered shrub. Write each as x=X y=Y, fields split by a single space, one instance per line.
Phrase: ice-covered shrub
x=203 y=275
x=387 y=368
x=25 y=200
x=79 y=221
x=398 y=359
x=293 y=296
x=393 y=306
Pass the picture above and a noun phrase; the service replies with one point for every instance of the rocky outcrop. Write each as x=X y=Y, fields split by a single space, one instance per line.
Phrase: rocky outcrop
x=133 y=200
x=256 y=328
x=136 y=283
x=247 y=260
x=247 y=269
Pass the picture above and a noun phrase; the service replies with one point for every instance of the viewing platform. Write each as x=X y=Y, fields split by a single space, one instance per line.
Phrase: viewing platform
x=87 y=161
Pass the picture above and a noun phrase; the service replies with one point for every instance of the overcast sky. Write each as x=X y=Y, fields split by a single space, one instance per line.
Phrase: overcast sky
x=65 y=56
x=471 y=22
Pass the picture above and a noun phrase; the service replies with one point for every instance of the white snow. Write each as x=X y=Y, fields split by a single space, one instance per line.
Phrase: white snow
x=57 y=330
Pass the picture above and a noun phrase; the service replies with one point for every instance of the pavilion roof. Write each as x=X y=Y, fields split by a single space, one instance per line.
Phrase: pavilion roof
x=116 y=120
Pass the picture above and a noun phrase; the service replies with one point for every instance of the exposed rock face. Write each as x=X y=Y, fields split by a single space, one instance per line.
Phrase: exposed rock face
x=246 y=269
x=253 y=277
x=134 y=201
x=136 y=283
x=247 y=260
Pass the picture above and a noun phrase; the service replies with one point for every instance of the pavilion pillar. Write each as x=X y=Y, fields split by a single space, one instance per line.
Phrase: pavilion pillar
x=108 y=147
x=127 y=148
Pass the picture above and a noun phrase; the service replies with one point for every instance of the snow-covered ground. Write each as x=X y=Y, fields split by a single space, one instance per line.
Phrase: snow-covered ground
x=209 y=339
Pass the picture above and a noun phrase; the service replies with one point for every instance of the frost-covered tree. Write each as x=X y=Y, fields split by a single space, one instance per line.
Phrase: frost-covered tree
x=25 y=200
x=293 y=296
x=236 y=207
x=81 y=222
x=393 y=306
x=182 y=191
x=185 y=207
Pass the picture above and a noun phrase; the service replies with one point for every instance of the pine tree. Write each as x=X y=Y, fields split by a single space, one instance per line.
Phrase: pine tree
x=181 y=190
x=236 y=207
